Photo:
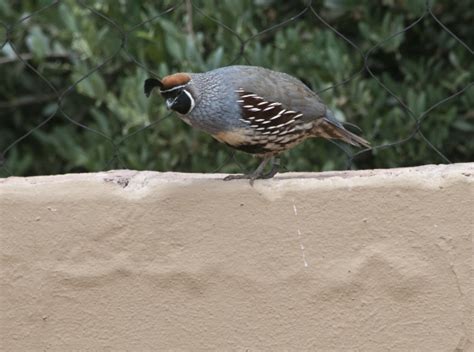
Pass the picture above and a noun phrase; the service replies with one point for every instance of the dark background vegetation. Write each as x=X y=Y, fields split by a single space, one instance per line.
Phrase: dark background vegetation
x=71 y=92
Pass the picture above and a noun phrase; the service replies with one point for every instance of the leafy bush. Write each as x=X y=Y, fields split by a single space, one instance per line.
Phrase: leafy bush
x=71 y=98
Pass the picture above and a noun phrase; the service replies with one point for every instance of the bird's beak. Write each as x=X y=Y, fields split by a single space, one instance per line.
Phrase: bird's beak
x=169 y=103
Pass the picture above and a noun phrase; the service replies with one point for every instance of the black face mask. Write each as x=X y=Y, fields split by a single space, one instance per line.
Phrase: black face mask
x=171 y=94
x=178 y=100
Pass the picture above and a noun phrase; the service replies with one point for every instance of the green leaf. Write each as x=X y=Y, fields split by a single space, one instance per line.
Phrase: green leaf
x=38 y=42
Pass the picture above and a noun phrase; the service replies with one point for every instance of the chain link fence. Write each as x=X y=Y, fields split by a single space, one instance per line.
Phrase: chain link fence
x=51 y=106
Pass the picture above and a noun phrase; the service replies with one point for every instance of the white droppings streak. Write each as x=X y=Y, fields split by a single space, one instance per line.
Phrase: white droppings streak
x=300 y=237
x=302 y=249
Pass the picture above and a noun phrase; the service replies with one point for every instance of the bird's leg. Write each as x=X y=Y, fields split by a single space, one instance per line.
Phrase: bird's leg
x=275 y=163
x=258 y=173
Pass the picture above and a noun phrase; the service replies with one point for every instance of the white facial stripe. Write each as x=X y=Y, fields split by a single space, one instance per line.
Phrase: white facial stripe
x=191 y=99
x=174 y=88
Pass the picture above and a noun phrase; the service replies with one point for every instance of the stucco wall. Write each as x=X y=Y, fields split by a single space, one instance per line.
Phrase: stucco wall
x=370 y=260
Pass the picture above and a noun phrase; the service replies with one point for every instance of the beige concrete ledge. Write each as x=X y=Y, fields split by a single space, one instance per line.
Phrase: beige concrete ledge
x=367 y=261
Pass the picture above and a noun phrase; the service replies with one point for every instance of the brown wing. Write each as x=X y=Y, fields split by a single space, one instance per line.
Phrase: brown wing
x=269 y=118
x=278 y=87
x=277 y=125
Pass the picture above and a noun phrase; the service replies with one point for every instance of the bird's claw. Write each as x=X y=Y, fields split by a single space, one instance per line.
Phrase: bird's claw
x=258 y=173
x=250 y=177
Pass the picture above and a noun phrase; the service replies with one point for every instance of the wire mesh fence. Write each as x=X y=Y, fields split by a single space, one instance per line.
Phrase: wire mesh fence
x=66 y=64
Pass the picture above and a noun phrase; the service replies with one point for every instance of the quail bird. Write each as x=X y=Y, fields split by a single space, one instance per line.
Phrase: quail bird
x=252 y=109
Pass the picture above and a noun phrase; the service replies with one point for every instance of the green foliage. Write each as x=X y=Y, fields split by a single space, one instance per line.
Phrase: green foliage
x=72 y=73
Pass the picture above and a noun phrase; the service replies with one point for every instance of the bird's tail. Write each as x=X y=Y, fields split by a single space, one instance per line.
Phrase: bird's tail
x=333 y=129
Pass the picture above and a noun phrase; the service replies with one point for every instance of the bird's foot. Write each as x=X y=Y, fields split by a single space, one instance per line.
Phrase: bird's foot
x=257 y=174
x=251 y=177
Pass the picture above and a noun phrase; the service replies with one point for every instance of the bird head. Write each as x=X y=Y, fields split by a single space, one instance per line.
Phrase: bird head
x=175 y=90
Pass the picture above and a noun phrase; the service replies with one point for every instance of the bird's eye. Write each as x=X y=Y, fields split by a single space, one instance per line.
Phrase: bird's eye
x=171 y=93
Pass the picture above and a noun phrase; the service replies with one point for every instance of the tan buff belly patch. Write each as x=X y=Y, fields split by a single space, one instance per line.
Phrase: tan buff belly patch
x=235 y=137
